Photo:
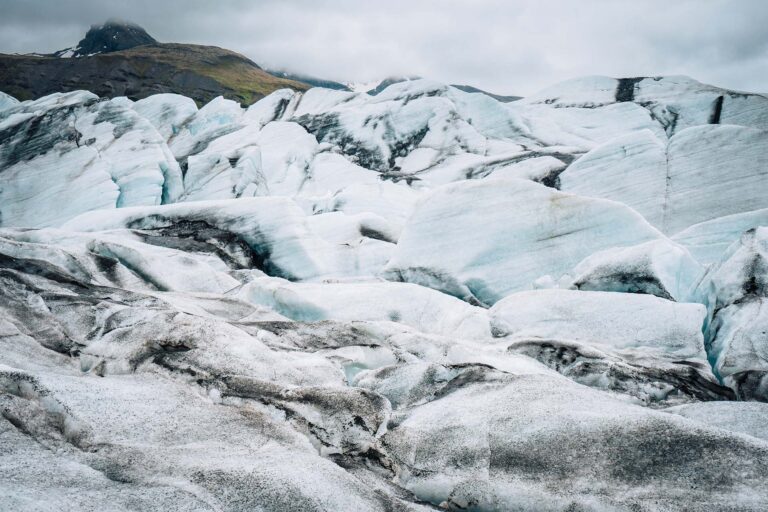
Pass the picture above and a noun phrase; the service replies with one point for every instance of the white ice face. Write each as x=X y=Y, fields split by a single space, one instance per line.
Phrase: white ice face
x=168 y=113
x=659 y=267
x=738 y=287
x=425 y=298
x=709 y=240
x=7 y=101
x=636 y=323
x=70 y=153
x=423 y=309
x=482 y=240
x=682 y=183
x=631 y=169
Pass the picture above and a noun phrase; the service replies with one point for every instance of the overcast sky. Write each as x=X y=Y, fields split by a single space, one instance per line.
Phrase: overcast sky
x=504 y=46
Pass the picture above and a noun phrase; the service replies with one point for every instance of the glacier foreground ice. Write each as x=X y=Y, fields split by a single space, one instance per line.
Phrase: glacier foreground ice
x=507 y=441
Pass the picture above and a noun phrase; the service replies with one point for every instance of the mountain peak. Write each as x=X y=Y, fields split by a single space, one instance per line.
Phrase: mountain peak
x=111 y=36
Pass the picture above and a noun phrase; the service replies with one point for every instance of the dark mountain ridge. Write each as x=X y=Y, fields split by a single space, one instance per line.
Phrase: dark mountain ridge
x=112 y=36
x=121 y=59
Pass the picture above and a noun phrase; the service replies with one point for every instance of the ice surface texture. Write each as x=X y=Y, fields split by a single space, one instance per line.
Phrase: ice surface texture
x=419 y=300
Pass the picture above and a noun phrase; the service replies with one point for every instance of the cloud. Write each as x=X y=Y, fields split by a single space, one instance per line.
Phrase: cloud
x=506 y=46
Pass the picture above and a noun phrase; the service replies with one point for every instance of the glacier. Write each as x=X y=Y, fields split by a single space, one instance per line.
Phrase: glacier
x=682 y=169
x=658 y=267
x=423 y=299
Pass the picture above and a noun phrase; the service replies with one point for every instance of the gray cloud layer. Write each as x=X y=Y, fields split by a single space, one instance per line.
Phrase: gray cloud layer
x=506 y=46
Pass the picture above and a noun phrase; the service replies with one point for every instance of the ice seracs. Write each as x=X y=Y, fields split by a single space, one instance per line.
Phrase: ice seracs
x=168 y=113
x=680 y=102
x=87 y=154
x=676 y=102
x=270 y=234
x=420 y=134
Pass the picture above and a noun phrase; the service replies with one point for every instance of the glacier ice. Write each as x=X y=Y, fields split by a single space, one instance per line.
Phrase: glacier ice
x=423 y=299
x=216 y=118
x=621 y=321
x=742 y=271
x=579 y=127
x=588 y=91
x=271 y=233
x=704 y=185
x=421 y=308
x=708 y=241
x=645 y=346
x=481 y=240
x=167 y=112
x=91 y=154
x=539 y=443
x=743 y=417
x=681 y=102
x=7 y=101
x=704 y=173
x=659 y=267
x=631 y=169
x=739 y=283
x=676 y=102
x=739 y=350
